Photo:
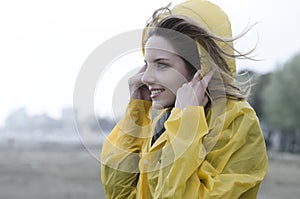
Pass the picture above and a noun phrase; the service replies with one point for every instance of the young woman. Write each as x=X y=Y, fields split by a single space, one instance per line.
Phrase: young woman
x=206 y=141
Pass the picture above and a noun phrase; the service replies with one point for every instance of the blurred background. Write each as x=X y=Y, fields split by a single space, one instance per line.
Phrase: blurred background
x=43 y=45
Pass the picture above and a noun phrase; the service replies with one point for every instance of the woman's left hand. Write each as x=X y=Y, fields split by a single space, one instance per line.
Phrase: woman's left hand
x=193 y=93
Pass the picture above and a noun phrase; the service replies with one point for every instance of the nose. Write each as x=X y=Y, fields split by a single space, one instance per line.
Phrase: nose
x=148 y=77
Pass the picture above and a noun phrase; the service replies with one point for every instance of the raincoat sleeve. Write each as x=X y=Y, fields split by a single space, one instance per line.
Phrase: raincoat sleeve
x=120 y=151
x=228 y=162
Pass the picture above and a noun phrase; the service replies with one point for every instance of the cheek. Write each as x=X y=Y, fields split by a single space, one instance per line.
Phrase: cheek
x=174 y=81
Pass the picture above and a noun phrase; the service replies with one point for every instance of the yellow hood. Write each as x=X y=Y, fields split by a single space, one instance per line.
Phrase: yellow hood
x=214 y=19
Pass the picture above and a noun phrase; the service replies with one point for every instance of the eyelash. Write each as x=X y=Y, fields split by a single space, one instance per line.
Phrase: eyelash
x=159 y=65
x=162 y=65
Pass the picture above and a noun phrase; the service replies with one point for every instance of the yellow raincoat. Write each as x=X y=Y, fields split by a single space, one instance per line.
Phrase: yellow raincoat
x=215 y=154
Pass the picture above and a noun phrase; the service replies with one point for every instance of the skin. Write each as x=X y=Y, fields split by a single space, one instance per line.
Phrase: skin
x=165 y=79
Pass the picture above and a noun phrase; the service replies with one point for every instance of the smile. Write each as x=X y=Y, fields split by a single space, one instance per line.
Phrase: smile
x=155 y=93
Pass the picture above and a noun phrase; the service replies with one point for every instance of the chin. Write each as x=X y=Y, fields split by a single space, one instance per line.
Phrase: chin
x=161 y=105
x=157 y=106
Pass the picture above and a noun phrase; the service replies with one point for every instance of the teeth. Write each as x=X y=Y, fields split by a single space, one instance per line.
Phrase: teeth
x=156 y=91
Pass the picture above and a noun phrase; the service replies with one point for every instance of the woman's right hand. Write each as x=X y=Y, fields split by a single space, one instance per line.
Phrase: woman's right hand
x=138 y=90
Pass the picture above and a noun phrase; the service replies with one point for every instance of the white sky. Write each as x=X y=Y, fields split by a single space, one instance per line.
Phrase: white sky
x=43 y=44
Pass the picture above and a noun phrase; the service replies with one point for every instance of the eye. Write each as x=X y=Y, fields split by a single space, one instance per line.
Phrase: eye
x=162 y=65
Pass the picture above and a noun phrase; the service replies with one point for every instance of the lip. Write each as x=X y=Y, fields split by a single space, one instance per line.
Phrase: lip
x=155 y=92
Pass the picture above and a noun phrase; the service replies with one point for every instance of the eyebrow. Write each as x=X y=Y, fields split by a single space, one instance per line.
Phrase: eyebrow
x=158 y=59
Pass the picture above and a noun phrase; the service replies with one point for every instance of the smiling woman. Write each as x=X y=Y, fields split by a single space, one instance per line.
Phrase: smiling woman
x=206 y=141
x=165 y=72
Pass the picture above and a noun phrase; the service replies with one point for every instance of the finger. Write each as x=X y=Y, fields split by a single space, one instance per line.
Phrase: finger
x=136 y=79
x=140 y=74
x=196 y=77
x=205 y=101
x=208 y=76
x=143 y=69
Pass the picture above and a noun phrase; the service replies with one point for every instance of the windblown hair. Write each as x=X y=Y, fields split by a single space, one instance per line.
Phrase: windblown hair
x=223 y=85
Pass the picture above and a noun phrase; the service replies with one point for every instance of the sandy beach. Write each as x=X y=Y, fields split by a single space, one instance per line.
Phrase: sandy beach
x=52 y=170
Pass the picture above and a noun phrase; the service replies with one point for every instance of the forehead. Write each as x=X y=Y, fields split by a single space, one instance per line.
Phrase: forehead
x=158 y=45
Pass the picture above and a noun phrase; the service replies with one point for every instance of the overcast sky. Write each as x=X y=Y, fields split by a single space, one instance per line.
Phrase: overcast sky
x=43 y=44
